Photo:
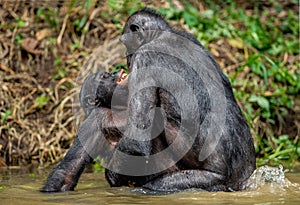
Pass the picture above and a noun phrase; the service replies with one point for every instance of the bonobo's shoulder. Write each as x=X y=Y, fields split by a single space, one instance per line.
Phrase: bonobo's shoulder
x=188 y=36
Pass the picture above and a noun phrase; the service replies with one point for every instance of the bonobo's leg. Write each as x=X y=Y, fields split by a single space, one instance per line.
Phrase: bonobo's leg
x=187 y=179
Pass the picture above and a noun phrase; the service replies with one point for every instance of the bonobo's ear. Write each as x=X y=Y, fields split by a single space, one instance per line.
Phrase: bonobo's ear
x=134 y=28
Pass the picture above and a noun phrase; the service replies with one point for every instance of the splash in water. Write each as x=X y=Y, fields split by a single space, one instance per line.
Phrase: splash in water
x=266 y=174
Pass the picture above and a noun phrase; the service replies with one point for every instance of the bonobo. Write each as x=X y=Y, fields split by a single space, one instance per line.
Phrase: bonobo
x=172 y=124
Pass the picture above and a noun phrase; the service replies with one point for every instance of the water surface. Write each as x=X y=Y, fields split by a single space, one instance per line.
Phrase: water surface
x=20 y=187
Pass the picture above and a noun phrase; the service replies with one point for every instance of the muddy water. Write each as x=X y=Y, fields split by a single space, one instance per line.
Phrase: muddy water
x=17 y=187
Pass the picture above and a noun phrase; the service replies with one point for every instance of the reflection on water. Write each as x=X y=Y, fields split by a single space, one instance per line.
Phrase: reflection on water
x=267 y=186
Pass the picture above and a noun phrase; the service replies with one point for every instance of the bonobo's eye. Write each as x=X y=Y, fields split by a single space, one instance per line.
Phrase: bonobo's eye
x=134 y=28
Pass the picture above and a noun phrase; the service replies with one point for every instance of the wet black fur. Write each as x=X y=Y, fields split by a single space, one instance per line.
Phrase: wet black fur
x=226 y=169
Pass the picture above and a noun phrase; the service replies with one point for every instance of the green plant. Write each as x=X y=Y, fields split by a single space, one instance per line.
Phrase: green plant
x=19 y=38
x=98 y=166
x=125 y=6
x=279 y=150
x=41 y=101
x=49 y=15
x=81 y=24
x=20 y=23
x=5 y=115
x=32 y=175
x=59 y=66
x=119 y=66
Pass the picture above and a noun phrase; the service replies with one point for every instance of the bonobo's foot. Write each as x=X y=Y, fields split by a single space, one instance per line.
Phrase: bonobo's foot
x=188 y=179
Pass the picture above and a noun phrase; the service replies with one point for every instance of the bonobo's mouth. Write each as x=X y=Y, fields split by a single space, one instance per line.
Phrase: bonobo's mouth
x=122 y=76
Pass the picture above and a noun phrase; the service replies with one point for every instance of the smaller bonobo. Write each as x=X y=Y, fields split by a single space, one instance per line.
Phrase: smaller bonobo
x=172 y=125
x=96 y=92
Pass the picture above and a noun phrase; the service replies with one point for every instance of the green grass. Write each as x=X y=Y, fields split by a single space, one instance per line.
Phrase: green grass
x=266 y=86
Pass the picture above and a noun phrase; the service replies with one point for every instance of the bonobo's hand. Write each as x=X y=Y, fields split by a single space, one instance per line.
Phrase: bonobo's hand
x=112 y=90
x=105 y=89
x=99 y=88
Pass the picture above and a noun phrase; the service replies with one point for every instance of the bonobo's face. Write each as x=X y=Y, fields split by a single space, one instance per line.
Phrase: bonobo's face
x=141 y=28
x=88 y=92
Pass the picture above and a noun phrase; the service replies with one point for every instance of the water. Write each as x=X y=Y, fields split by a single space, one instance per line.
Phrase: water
x=267 y=186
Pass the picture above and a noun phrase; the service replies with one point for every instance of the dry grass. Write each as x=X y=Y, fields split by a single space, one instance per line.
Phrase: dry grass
x=35 y=97
x=44 y=59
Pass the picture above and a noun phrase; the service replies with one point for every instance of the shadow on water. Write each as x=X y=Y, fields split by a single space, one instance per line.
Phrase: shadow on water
x=267 y=185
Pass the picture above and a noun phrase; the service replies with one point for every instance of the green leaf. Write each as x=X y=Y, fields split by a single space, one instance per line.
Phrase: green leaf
x=83 y=21
x=41 y=101
x=261 y=101
x=208 y=13
x=21 y=23
x=19 y=39
x=5 y=115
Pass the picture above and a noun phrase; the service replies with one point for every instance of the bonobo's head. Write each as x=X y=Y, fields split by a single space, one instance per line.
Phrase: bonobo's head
x=145 y=19
x=140 y=28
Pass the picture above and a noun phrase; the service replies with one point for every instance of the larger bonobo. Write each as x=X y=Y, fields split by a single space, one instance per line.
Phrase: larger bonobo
x=179 y=126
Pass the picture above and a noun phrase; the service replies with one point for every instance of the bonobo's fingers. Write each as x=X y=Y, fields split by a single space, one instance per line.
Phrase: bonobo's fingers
x=188 y=179
x=65 y=175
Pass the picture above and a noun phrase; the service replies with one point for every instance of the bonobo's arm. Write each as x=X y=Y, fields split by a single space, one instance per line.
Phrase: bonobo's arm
x=137 y=137
x=89 y=142
x=187 y=179
x=138 y=132
x=97 y=134
x=66 y=174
